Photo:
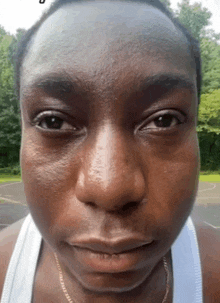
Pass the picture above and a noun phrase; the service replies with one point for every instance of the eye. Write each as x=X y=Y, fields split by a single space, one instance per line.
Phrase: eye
x=163 y=120
x=52 y=121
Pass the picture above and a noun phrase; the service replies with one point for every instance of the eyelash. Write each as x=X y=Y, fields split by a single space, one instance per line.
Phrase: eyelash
x=173 y=114
x=167 y=114
x=50 y=114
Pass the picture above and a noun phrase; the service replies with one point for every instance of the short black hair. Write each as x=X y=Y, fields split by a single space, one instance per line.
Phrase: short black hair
x=23 y=45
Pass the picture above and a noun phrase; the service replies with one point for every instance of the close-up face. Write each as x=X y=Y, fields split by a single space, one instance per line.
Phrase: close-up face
x=109 y=153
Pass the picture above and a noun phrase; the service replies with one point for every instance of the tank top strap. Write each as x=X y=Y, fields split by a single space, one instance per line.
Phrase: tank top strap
x=187 y=273
x=18 y=285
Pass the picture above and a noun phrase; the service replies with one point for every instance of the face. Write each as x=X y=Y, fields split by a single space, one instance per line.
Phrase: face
x=109 y=147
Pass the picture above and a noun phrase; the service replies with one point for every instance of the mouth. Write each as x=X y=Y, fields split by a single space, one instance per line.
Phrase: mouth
x=113 y=256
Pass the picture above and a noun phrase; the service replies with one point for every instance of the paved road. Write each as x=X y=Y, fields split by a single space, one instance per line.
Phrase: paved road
x=13 y=204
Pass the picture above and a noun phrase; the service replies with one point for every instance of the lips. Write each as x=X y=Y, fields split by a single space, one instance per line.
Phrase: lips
x=115 y=256
x=115 y=246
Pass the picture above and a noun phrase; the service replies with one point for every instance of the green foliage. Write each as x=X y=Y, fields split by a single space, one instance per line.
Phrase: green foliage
x=210 y=55
x=16 y=170
x=11 y=170
x=10 y=130
x=209 y=113
x=8 y=46
x=209 y=150
x=2 y=33
x=209 y=130
x=167 y=3
x=10 y=136
x=10 y=125
x=193 y=17
x=7 y=96
x=14 y=44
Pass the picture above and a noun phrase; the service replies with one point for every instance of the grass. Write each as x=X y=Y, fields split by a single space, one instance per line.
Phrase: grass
x=210 y=172
x=209 y=178
x=8 y=178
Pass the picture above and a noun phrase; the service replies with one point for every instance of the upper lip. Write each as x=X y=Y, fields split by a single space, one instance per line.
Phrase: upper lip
x=114 y=246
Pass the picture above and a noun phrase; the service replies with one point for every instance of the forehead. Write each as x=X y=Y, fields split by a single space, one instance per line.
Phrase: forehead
x=92 y=37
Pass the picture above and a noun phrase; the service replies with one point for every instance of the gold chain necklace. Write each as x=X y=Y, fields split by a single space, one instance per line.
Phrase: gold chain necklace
x=71 y=301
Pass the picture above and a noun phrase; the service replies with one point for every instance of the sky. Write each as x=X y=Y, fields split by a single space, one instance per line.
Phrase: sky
x=24 y=13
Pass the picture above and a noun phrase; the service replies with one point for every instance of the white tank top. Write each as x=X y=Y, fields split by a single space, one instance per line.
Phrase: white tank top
x=187 y=275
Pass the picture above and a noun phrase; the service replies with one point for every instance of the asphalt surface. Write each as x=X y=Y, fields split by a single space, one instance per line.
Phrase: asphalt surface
x=13 y=206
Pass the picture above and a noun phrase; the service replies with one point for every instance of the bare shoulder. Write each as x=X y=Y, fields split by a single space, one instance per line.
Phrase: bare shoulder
x=8 y=237
x=209 y=246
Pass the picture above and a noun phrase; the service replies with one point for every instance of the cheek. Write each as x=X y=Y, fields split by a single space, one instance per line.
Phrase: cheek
x=49 y=181
x=172 y=184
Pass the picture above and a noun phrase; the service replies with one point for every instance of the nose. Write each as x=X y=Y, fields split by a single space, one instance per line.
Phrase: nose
x=110 y=176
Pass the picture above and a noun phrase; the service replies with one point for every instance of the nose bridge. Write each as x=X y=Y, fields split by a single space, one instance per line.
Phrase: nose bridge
x=109 y=176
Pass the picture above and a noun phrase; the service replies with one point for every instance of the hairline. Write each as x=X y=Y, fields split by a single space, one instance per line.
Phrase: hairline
x=53 y=9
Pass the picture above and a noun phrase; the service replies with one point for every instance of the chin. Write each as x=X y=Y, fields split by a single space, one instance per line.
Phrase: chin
x=115 y=283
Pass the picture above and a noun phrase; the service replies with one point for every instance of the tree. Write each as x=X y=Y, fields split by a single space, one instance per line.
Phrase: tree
x=210 y=55
x=167 y=3
x=10 y=137
x=6 y=74
x=10 y=131
x=8 y=47
x=193 y=17
x=2 y=33
x=209 y=130
x=14 y=43
x=209 y=112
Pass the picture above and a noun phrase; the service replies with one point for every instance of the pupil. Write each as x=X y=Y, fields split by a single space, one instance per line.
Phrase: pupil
x=164 y=121
x=54 y=122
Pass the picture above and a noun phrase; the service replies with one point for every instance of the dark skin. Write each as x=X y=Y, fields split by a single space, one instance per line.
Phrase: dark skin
x=109 y=146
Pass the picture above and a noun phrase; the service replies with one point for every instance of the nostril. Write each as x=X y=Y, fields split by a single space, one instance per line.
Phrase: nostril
x=129 y=206
x=91 y=204
x=126 y=208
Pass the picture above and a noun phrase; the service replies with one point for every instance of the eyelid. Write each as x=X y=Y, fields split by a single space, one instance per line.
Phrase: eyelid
x=49 y=113
x=176 y=113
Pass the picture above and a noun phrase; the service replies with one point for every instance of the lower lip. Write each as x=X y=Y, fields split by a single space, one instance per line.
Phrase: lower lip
x=115 y=263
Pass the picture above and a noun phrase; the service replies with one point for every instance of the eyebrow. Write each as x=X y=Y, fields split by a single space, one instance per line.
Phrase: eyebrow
x=167 y=82
x=56 y=84
x=62 y=84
